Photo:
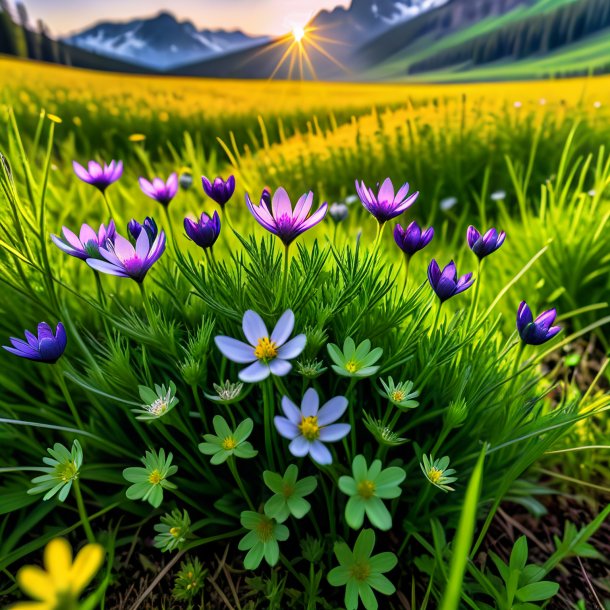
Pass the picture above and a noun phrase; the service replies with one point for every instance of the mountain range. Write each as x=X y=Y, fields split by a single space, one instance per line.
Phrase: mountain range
x=416 y=40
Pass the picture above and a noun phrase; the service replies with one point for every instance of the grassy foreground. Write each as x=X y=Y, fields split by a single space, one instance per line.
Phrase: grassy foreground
x=527 y=158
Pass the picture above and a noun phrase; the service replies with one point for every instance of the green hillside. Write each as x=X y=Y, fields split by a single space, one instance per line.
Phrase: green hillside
x=588 y=54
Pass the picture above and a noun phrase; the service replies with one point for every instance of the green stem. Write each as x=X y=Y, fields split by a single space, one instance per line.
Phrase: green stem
x=64 y=390
x=268 y=419
x=147 y=305
x=111 y=211
x=83 y=512
x=437 y=318
x=285 y=275
x=199 y=406
x=474 y=304
x=377 y=241
x=233 y=468
x=227 y=218
x=169 y=224
x=404 y=286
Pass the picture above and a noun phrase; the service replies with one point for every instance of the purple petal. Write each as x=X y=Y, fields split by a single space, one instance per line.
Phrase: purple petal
x=280 y=367
x=332 y=410
x=293 y=348
x=285 y=427
x=310 y=403
x=283 y=328
x=299 y=446
x=334 y=432
x=320 y=453
x=234 y=350
x=291 y=411
x=255 y=372
x=253 y=326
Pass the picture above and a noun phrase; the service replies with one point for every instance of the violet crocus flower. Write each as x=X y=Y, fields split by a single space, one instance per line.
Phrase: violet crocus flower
x=538 y=331
x=266 y=198
x=160 y=191
x=98 y=176
x=205 y=231
x=149 y=225
x=46 y=347
x=308 y=428
x=385 y=205
x=412 y=239
x=484 y=245
x=87 y=243
x=445 y=283
x=280 y=219
x=219 y=190
x=121 y=258
x=267 y=354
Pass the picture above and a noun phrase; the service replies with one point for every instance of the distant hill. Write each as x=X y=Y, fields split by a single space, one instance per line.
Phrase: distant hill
x=159 y=43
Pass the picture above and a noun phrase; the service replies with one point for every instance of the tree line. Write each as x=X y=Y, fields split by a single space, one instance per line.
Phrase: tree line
x=537 y=35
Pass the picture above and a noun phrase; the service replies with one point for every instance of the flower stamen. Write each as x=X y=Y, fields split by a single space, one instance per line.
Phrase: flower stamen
x=265 y=349
x=309 y=428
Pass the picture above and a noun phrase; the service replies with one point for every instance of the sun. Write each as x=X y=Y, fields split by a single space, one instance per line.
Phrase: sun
x=298 y=32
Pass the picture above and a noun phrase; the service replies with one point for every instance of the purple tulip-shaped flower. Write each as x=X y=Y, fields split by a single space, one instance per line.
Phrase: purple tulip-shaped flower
x=100 y=177
x=46 y=347
x=412 y=239
x=219 y=190
x=121 y=258
x=205 y=231
x=266 y=198
x=385 y=205
x=281 y=220
x=308 y=428
x=149 y=225
x=484 y=245
x=267 y=354
x=87 y=243
x=160 y=191
x=538 y=331
x=445 y=283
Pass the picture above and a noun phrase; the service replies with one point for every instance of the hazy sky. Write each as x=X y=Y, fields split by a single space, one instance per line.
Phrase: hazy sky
x=252 y=16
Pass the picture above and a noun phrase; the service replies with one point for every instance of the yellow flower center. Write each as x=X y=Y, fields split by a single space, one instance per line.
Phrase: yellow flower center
x=229 y=443
x=397 y=395
x=351 y=367
x=264 y=529
x=361 y=571
x=265 y=349
x=155 y=477
x=175 y=532
x=366 y=489
x=309 y=427
x=434 y=474
x=68 y=471
x=159 y=407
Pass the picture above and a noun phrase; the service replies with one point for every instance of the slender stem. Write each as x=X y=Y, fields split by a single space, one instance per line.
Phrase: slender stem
x=377 y=241
x=227 y=218
x=147 y=305
x=169 y=224
x=268 y=419
x=285 y=277
x=83 y=512
x=199 y=406
x=100 y=290
x=109 y=207
x=474 y=304
x=406 y=280
x=233 y=468
x=64 y=390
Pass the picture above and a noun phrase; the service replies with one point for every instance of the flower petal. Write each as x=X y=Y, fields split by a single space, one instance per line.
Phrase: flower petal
x=253 y=326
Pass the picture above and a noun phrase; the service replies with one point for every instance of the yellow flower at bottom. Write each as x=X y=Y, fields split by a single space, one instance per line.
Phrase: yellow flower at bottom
x=63 y=581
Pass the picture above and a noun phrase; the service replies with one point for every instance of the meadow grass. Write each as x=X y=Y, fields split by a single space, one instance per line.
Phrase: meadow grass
x=493 y=409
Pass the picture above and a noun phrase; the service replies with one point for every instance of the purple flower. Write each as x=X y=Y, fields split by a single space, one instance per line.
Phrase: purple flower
x=100 y=177
x=204 y=232
x=385 y=205
x=446 y=283
x=338 y=211
x=149 y=225
x=266 y=198
x=46 y=347
x=309 y=428
x=538 y=331
x=87 y=243
x=160 y=191
x=280 y=219
x=484 y=245
x=269 y=354
x=121 y=258
x=219 y=190
x=412 y=239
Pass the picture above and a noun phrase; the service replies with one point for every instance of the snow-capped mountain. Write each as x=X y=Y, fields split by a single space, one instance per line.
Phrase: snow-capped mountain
x=160 y=42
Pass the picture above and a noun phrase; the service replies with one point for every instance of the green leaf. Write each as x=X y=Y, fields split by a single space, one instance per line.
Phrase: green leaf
x=463 y=538
x=518 y=556
x=537 y=591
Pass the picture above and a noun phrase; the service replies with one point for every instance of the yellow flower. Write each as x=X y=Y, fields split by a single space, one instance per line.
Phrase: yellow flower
x=54 y=118
x=137 y=137
x=63 y=581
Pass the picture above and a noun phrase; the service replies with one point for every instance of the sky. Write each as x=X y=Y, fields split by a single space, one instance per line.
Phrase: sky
x=252 y=16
